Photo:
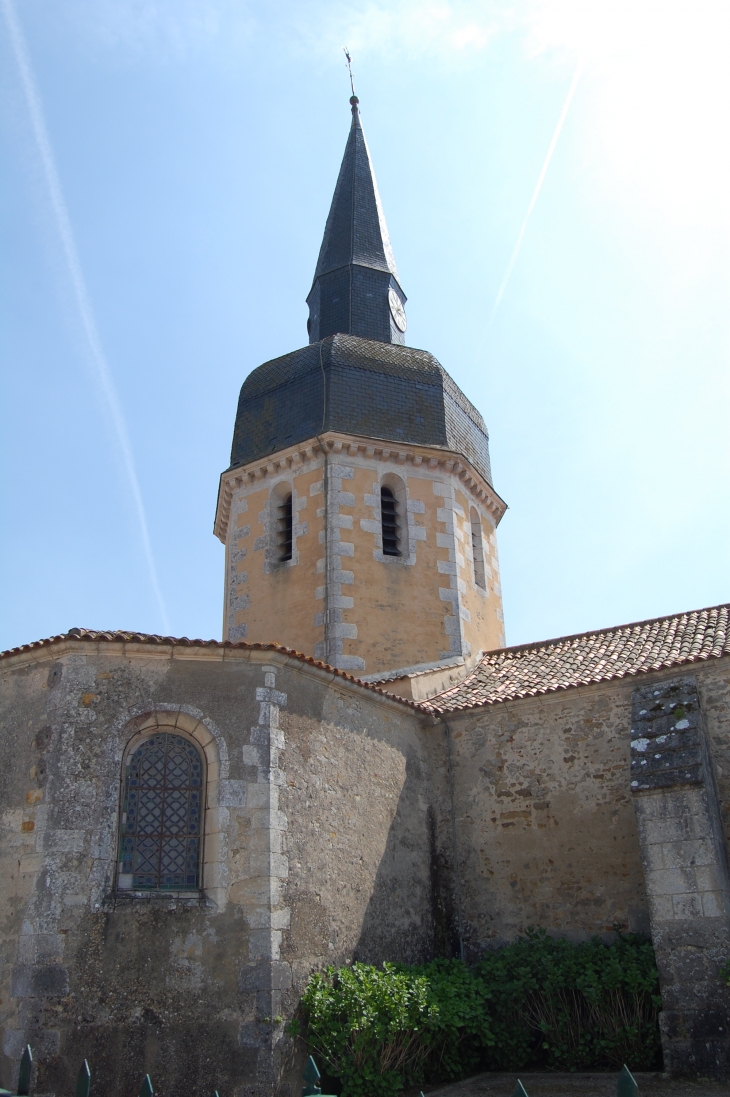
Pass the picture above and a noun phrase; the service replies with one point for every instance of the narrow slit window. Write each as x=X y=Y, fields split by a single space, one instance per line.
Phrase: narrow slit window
x=284 y=527
x=477 y=549
x=162 y=816
x=389 y=521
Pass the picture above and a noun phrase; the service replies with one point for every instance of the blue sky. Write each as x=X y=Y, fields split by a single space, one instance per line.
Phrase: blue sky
x=197 y=143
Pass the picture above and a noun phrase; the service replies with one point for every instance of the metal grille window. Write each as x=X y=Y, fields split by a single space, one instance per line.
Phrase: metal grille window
x=284 y=527
x=162 y=816
x=389 y=521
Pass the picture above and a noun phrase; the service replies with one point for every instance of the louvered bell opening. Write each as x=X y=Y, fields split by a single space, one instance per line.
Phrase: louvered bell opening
x=477 y=551
x=284 y=529
x=389 y=520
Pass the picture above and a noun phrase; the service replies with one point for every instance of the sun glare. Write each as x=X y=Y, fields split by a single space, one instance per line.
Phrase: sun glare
x=658 y=77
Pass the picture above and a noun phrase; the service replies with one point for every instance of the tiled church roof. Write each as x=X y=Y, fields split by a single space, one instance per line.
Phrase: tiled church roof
x=590 y=657
x=506 y=675
x=116 y=637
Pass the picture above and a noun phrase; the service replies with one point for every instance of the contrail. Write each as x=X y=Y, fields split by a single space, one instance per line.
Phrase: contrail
x=100 y=366
x=540 y=181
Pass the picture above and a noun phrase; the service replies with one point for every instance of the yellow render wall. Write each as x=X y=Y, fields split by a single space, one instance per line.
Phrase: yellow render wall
x=386 y=613
x=277 y=605
x=398 y=612
x=484 y=631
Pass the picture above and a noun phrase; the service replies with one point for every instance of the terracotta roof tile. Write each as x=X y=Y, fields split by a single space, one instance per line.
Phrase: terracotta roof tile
x=90 y=635
x=589 y=657
x=526 y=671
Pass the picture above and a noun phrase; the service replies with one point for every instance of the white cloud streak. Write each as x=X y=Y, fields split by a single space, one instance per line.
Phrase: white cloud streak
x=535 y=193
x=100 y=369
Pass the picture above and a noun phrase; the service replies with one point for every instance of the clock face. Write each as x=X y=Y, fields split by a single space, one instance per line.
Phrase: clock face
x=397 y=311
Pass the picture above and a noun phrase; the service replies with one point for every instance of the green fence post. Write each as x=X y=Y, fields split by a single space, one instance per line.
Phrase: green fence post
x=26 y=1065
x=626 y=1085
x=519 y=1090
x=312 y=1078
x=83 y=1081
x=146 y=1090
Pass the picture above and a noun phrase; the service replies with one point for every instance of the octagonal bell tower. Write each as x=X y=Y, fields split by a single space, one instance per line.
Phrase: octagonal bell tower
x=358 y=512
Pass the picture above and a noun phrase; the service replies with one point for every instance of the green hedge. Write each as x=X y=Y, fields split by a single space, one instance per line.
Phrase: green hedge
x=540 y=1002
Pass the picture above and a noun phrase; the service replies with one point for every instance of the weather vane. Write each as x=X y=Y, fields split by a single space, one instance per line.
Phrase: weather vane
x=349 y=69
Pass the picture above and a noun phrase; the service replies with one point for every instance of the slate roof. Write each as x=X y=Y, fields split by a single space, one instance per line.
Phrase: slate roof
x=355 y=231
x=373 y=390
x=355 y=277
x=590 y=657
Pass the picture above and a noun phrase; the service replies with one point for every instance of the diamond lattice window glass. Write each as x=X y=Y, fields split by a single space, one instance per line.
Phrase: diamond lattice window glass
x=162 y=816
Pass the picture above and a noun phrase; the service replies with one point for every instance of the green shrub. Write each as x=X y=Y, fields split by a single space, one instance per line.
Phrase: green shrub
x=566 y=1006
x=378 y=1031
x=540 y=1002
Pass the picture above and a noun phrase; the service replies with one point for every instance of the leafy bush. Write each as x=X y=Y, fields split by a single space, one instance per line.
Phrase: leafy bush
x=380 y=1030
x=565 y=1006
x=540 y=1002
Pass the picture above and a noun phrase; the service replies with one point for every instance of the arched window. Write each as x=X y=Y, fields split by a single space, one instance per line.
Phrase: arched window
x=284 y=527
x=389 y=521
x=477 y=549
x=162 y=816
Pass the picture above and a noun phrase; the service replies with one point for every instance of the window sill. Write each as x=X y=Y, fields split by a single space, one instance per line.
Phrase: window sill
x=170 y=900
x=402 y=561
x=166 y=893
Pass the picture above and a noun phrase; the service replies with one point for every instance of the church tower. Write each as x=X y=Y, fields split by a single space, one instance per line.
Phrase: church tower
x=358 y=511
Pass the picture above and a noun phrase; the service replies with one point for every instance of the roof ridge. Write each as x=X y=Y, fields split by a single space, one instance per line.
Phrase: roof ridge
x=605 y=654
x=122 y=636
x=607 y=631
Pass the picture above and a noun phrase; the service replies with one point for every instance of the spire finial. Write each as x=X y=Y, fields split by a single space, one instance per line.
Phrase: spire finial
x=353 y=98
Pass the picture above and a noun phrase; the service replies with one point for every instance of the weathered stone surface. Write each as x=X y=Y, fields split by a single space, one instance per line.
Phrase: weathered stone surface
x=189 y=988
x=340 y=824
x=544 y=822
x=686 y=871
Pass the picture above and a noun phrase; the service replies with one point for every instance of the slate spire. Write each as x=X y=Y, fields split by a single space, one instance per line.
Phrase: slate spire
x=356 y=289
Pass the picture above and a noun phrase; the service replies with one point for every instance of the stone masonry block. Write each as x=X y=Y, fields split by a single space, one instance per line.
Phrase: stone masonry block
x=273 y=696
x=687 y=906
x=714 y=904
x=661 y=908
x=696 y=851
x=344 y=630
x=673 y=881
x=231 y=793
x=67 y=841
x=708 y=877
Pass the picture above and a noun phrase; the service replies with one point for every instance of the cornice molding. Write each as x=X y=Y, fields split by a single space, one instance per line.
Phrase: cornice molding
x=402 y=453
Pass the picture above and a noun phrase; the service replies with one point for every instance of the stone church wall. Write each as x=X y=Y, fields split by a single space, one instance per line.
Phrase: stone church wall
x=599 y=807
x=333 y=815
x=544 y=818
x=317 y=800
